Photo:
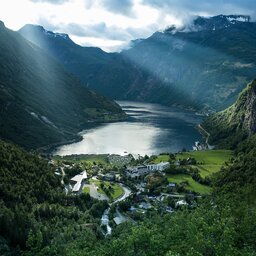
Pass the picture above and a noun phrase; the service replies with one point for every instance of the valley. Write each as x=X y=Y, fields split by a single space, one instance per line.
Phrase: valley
x=149 y=150
x=204 y=63
x=183 y=182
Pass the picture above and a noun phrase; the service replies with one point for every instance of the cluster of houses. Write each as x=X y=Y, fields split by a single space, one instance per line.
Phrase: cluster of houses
x=107 y=177
x=77 y=181
x=140 y=171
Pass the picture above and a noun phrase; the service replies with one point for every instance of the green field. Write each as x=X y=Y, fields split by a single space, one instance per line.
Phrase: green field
x=161 y=158
x=86 y=190
x=193 y=185
x=211 y=157
x=99 y=159
x=209 y=161
x=117 y=189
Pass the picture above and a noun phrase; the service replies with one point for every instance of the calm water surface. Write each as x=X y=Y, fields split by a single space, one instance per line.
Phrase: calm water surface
x=151 y=129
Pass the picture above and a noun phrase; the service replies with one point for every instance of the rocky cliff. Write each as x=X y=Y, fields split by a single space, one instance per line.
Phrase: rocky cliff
x=235 y=123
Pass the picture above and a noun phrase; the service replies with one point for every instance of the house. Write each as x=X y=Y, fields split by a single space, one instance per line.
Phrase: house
x=78 y=180
x=169 y=209
x=109 y=177
x=145 y=206
x=181 y=203
x=158 y=167
x=118 y=220
x=136 y=172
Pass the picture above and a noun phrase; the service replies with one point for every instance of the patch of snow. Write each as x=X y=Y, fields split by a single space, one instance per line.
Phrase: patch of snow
x=64 y=36
x=239 y=18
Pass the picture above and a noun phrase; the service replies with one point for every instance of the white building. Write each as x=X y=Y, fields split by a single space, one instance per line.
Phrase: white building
x=78 y=180
x=158 y=167
x=181 y=203
x=142 y=170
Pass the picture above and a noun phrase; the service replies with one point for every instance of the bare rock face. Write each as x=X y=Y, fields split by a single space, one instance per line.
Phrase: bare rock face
x=236 y=123
x=249 y=122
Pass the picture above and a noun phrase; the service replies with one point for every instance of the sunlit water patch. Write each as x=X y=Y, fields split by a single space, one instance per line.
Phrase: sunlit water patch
x=151 y=129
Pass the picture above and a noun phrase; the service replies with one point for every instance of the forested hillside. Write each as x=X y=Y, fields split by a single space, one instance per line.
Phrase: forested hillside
x=230 y=126
x=35 y=214
x=40 y=103
x=38 y=218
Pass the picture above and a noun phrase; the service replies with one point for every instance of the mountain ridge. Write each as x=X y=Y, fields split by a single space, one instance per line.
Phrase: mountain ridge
x=40 y=102
x=206 y=67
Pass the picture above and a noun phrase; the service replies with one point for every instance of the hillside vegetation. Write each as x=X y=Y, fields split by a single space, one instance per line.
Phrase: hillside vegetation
x=38 y=219
x=230 y=126
x=40 y=103
x=35 y=214
x=205 y=66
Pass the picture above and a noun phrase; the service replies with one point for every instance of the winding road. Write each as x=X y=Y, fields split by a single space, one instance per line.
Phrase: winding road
x=105 y=216
x=207 y=134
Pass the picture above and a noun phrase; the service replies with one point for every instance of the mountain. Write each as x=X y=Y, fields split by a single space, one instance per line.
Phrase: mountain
x=112 y=74
x=86 y=63
x=40 y=103
x=204 y=64
x=214 y=23
x=234 y=124
x=210 y=59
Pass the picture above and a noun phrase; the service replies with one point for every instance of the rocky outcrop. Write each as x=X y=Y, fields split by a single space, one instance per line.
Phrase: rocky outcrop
x=235 y=123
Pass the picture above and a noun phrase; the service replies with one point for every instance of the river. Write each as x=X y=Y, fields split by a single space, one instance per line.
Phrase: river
x=150 y=129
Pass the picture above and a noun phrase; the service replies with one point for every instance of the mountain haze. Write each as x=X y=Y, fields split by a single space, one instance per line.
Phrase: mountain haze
x=40 y=102
x=111 y=74
x=204 y=64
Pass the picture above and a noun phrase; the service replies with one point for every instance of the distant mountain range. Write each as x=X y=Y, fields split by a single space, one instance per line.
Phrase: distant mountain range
x=40 y=102
x=202 y=65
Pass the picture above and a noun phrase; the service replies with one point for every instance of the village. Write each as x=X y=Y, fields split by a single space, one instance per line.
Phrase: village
x=146 y=185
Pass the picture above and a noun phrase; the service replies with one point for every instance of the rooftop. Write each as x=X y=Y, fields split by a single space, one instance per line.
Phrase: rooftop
x=80 y=177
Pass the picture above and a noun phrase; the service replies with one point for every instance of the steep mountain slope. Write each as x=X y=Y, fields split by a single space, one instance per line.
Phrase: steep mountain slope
x=85 y=62
x=232 y=125
x=204 y=64
x=34 y=210
x=210 y=60
x=40 y=103
x=112 y=74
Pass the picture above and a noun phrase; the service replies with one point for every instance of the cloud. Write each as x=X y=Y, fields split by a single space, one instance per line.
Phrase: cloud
x=88 y=4
x=116 y=22
x=186 y=8
x=50 y=1
x=124 y=7
x=98 y=30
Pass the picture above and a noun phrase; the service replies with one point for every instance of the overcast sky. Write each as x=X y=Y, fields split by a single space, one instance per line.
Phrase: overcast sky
x=111 y=24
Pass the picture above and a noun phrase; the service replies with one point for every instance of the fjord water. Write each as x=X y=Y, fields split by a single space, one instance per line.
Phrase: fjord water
x=151 y=129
